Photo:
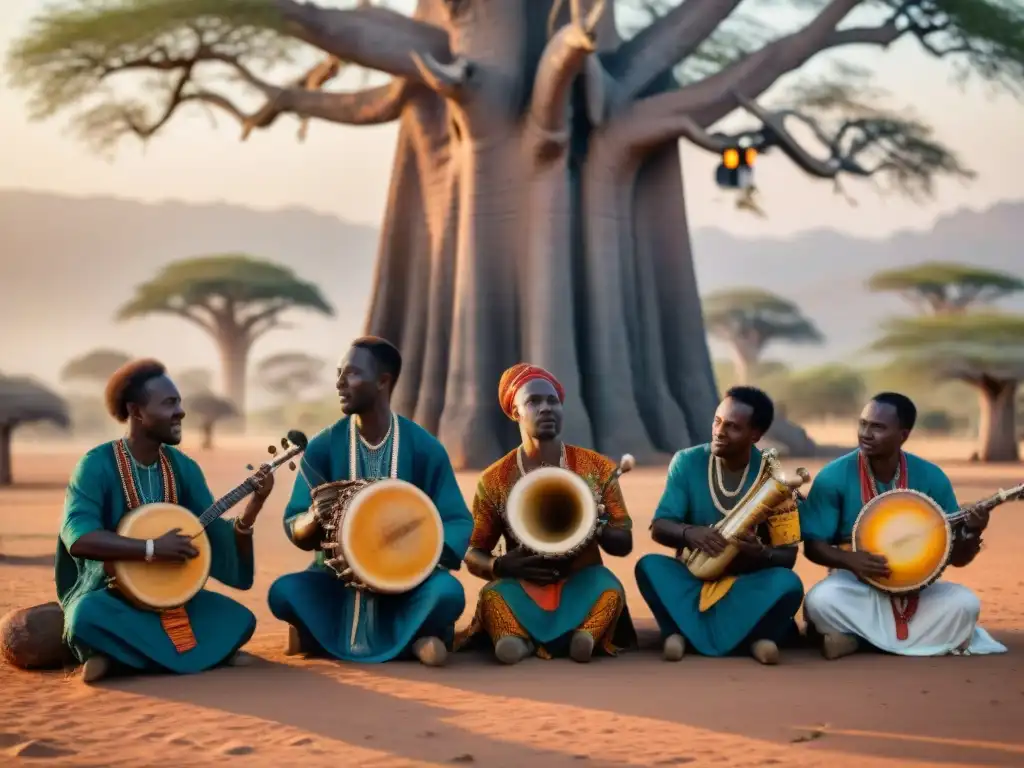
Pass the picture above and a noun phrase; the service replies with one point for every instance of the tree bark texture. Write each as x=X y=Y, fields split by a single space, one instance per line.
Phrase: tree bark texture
x=6 y=470
x=536 y=213
x=997 y=435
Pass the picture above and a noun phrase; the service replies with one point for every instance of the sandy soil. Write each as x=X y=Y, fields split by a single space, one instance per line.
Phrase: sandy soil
x=634 y=710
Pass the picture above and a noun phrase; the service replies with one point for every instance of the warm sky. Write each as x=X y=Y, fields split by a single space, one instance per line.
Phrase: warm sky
x=345 y=170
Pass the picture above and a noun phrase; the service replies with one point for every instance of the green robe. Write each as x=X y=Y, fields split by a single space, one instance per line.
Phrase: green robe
x=759 y=605
x=98 y=621
x=322 y=608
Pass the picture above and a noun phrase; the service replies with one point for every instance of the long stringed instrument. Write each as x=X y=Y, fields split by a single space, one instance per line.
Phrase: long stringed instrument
x=160 y=586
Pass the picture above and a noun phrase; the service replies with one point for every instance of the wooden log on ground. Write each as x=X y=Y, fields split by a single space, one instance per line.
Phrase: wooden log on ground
x=33 y=638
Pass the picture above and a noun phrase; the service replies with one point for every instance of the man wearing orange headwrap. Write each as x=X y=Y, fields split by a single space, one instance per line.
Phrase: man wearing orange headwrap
x=550 y=607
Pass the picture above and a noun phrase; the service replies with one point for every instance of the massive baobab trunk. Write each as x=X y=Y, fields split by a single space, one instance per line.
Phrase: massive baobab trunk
x=524 y=223
x=536 y=209
x=997 y=434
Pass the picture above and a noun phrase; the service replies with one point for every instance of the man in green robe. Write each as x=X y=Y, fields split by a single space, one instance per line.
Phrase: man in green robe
x=102 y=629
x=324 y=615
x=751 y=608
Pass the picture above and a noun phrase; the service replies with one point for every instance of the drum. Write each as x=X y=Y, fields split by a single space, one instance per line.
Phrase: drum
x=381 y=535
x=912 y=532
x=552 y=512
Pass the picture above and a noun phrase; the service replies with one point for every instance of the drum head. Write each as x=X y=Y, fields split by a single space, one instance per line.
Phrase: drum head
x=911 y=531
x=392 y=536
x=164 y=585
x=536 y=511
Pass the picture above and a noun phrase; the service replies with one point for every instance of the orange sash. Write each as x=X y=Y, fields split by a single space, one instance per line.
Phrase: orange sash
x=175 y=621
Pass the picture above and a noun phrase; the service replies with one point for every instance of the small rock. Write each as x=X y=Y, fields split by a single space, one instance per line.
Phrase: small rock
x=302 y=741
x=234 y=748
x=38 y=749
x=467 y=758
x=33 y=638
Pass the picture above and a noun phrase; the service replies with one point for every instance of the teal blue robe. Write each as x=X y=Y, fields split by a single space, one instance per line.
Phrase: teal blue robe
x=834 y=501
x=98 y=621
x=321 y=607
x=759 y=605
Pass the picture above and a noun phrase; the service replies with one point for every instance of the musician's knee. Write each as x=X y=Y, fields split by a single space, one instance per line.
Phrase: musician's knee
x=964 y=602
x=279 y=596
x=451 y=595
x=820 y=599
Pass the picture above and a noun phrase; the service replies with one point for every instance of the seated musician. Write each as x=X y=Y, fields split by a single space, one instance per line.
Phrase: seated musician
x=846 y=611
x=324 y=615
x=750 y=609
x=102 y=629
x=531 y=605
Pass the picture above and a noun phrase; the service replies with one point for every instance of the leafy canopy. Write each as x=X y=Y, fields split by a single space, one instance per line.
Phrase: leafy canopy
x=98 y=365
x=24 y=400
x=947 y=286
x=970 y=347
x=758 y=315
x=214 y=290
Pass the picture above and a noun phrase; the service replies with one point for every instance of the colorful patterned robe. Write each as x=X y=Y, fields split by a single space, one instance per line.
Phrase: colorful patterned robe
x=591 y=598
x=382 y=627
x=98 y=621
x=716 y=618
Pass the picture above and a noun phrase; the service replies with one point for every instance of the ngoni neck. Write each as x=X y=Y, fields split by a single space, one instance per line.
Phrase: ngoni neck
x=226 y=502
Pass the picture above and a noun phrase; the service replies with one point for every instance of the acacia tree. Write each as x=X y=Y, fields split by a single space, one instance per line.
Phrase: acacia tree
x=536 y=208
x=236 y=299
x=209 y=409
x=749 y=319
x=946 y=287
x=289 y=374
x=25 y=401
x=95 y=367
x=984 y=350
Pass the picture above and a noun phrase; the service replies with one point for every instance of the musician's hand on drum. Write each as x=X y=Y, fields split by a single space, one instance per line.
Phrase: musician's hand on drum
x=520 y=564
x=706 y=539
x=865 y=565
x=748 y=544
x=173 y=547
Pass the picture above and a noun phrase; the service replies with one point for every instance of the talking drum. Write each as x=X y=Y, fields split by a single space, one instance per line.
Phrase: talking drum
x=911 y=532
x=382 y=535
x=552 y=512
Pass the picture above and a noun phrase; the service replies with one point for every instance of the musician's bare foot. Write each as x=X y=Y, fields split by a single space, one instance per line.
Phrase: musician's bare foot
x=511 y=649
x=765 y=651
x=430 y=651
x=294 y=645
x=835 y=645
x=240 y=659
x=674 y=648
x=581 y=647
x=95 y=669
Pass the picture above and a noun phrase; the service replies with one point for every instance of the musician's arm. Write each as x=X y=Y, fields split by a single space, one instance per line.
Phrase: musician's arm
x=301 y=524
x=670 y=518
x=486 y=534
x=782 y=531
x=82 y=530
x=819 y=520
x=966 y=542
x=616 y=536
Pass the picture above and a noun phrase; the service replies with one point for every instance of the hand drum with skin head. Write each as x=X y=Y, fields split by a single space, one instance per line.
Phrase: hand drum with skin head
x=911 y=531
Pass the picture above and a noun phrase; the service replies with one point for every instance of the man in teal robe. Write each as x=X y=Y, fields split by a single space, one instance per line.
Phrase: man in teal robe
x=103 y=630
x=843 y=608
x=326 y=616
x=751 y=609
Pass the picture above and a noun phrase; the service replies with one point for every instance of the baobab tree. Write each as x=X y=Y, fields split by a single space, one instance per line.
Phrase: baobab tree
x=289 y=374
x=536 y=208
x=236 y=299
x=749 y=319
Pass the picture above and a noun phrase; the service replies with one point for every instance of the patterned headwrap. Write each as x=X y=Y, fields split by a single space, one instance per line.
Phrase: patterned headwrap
x=515 y=377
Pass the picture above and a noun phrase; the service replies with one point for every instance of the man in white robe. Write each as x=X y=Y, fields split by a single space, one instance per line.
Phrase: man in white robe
x=848 y=612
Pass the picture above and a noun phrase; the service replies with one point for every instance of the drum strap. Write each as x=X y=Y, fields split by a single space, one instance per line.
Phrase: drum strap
x=175 y=621
x=903 y=606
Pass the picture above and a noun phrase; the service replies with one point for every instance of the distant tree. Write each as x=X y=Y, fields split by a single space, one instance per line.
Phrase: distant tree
x=94 y=367
x=25 y=401
x=236 y=299
x=829 y=390
x=194 y=381
x=984 y=350
x=936 y=422
x=749 y=319
x=946 y=288
x=209 y=409
x=289 y=374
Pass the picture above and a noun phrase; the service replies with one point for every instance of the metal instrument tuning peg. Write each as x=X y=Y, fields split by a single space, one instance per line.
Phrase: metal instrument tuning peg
x=284 y=443
x=291 y=465
x=250 y=467
x=272 y=450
